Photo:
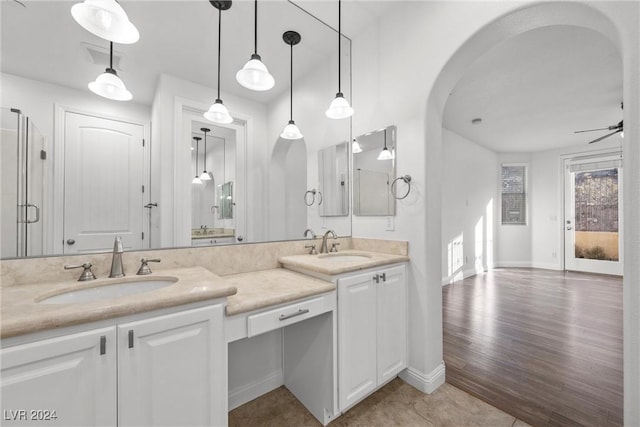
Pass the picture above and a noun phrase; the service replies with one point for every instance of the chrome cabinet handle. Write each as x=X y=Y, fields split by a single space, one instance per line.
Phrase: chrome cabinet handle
x=29 y=205
x=130 y=338
x=383 y=276
x=376 y=278
x=298 y=313
x=70 y=241
x=103 y=345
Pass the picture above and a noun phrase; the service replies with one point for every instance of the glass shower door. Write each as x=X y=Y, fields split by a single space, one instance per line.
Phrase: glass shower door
x=23 y=163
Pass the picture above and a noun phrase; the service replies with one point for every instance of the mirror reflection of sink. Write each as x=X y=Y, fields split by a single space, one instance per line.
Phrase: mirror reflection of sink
x=109 y=291
x=342 y=257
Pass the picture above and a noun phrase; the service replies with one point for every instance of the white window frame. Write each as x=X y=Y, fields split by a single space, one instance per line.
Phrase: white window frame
x=526 y=195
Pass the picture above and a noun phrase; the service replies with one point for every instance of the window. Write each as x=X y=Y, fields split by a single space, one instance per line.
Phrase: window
x=514 y=194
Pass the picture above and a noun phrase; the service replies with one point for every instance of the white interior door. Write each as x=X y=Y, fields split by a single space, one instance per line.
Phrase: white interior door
x=593 y=215
x=103 y=183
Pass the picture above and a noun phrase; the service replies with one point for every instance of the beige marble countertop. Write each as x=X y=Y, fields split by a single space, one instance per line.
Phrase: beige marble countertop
x=21 y=313
x=324 y=264
x=265 y=288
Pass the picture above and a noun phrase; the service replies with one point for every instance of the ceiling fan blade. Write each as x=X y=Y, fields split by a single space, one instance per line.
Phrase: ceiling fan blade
x=606 y=136
x=591 y=130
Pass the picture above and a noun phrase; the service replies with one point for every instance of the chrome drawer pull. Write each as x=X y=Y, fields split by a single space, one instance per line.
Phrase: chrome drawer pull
x=298 y=313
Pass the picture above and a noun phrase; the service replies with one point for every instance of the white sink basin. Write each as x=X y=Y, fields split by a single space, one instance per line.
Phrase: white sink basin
x=109 y=291
x=337 y=257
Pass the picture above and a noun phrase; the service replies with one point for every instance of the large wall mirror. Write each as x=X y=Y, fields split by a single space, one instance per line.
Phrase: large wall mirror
x=108 y=168
x=374 y=168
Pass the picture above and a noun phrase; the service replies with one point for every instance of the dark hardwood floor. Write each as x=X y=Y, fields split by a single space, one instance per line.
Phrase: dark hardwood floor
x=543 y=346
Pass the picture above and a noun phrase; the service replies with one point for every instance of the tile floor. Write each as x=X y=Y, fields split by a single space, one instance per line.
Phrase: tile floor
x=396 y=404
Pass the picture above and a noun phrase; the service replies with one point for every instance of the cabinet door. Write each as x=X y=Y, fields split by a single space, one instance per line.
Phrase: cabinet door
x=392 y=323
x=172 y=370
x=62 y=381
x=357 y=338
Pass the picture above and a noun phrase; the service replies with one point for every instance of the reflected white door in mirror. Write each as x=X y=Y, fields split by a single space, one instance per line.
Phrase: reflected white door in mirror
x=100 y=184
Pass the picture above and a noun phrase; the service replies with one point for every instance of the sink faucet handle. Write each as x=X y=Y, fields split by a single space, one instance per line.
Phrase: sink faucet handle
x=144 y=267
x=334 y=247
x=87 y=274
x=313 y=249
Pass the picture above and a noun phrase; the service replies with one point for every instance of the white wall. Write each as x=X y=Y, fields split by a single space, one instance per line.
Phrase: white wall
x=469 y=201
x=404 y=67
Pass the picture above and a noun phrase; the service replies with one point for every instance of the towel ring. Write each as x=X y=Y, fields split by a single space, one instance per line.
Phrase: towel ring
x=407 y=180
x=320 y=195
x=313 y=197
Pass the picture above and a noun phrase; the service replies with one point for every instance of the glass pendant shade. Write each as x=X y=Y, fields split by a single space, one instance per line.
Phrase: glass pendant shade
x=106 y=19
x=385 y=154
x=109 y=85
x=254 y=75
x=291 y=131
x=218 y=113
x=205 y=176
x=339 y=108
x=196 y=180
x=355 y=147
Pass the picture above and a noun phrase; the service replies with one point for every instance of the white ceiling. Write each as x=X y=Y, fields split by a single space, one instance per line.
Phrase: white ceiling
x=43 y=42
x=534 y=90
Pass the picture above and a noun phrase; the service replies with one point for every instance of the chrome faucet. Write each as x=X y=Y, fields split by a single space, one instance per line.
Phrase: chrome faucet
x=323 y=248
x=307 y=231
x=116 y=262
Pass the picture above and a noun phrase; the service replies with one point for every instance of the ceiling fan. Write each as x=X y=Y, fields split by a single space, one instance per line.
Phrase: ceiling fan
x=615 y=128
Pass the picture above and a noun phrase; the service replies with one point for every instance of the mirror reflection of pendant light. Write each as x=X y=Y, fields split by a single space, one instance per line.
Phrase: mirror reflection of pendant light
x=106 y=19
x=218 y=113
x=291 y=131
x=108 y=84
x=254 y=75
x=205 y=176
x=339 y=108
x=196 y=180
x=385 y=154
x=355 y=147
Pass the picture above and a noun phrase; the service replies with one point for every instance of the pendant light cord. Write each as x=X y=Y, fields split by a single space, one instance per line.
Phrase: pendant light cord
x=291 y=92
x=205 y=151
x=255 y=28
x=339 y=47
x=219 y=44
x=197 y=157
x=111 y=55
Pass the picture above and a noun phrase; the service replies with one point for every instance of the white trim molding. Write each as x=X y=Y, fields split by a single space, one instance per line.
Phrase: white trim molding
x=248 y=392
x=426 y=383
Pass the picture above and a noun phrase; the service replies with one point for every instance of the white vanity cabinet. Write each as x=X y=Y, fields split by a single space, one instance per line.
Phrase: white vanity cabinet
x=372 y=331
x=169 y=369
x=62 y=381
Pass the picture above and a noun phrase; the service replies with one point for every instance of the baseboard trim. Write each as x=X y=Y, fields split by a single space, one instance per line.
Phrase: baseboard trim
x=251 y=391
x=426 y=383
x=513 y=264
x=546 y=266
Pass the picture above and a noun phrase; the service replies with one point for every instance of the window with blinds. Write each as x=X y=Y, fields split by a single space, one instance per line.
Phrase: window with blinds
x=514 y=194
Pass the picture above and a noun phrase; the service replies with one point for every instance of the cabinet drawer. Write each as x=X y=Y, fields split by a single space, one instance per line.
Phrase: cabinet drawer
x=283 y=316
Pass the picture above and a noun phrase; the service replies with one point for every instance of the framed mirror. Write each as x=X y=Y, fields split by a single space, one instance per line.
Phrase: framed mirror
x=374 y=169
x=333 y=178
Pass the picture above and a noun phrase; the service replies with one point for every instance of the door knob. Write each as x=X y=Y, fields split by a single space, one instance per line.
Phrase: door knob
x=70 y=241
x=569 y=227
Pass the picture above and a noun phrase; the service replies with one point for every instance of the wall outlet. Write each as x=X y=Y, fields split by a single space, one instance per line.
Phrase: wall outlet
x=390 y=224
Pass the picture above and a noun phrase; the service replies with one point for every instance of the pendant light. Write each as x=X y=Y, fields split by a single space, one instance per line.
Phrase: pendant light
x=385 y=154
x=339 y=108
x=106 y=19
x=218 y=113
x=205 y=176
x=196 y=180
x=291 y=131
x=108 y=84
x=254 y=75
x=355 y=147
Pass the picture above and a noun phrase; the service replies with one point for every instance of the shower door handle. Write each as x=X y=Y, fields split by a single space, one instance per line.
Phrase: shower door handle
x=30 y=205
